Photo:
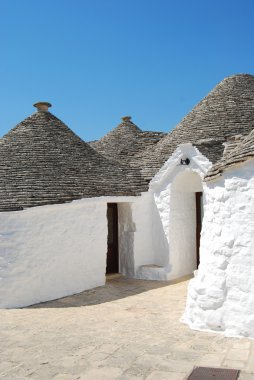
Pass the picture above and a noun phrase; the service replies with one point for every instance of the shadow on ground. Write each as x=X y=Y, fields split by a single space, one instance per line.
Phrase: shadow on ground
x=116 y=287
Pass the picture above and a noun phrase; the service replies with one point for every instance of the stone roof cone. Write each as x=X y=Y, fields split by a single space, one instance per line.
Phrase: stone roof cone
x=242 y=151
x=226 y=111
x=125 y=141
x=45 y=162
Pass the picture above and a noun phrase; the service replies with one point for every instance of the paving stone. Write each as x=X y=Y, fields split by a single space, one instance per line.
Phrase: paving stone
x=235 y=364
x=210 y=360
x=109 y=373
x=242 y=344
x=246 y=376
x=136 y=337
x=160 y=375
x=129 y=377
x=238 y=354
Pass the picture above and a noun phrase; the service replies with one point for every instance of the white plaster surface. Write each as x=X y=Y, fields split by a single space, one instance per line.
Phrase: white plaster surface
x=51 y=251
x=221 y=296
x=173 y=218
x=127 y=229
x=144 y=253
x=182 y=228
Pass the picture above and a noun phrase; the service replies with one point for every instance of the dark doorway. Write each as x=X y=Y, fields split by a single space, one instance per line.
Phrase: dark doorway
x=199 y=217
x=112 y=254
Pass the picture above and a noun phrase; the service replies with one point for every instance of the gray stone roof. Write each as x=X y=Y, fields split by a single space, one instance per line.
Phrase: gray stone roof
x=226 y=111
x=44 y=162
x=125 y=141
x=238 y=149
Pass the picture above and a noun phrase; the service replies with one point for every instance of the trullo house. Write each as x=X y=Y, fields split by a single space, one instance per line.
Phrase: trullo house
x=145 y=204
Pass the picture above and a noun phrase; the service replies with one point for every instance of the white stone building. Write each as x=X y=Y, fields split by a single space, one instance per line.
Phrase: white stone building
x=221 y=295
x=132 y=202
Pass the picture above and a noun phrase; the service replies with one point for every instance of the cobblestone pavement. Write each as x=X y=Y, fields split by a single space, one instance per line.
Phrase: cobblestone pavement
x=127 y=330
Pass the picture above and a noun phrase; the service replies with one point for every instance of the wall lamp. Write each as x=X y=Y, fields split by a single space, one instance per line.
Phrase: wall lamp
x=185 y=162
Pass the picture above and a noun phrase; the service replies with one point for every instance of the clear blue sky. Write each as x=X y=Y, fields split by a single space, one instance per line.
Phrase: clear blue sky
x=97 y=60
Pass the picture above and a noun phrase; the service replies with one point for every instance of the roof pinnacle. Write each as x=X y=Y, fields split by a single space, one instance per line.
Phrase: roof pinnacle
x=126 y=118
x=42 y=106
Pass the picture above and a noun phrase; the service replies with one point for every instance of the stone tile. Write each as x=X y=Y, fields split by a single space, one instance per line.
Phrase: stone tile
x=64 y=376
x=242 y=344
x=106 y=373
x=137 y=371
x=250 y=365
x=246 y=376
x=160 y=375
x=234 y=364
x=238 y=354
x=108 y=348
x=210 y=360
x=97 y=356
x=129 y=377
x=163 y=363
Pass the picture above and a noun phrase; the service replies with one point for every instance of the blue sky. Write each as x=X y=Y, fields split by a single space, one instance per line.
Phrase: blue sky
x=98 y=60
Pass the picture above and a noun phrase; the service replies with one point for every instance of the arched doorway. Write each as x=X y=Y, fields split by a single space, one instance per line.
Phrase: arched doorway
x=185 y=223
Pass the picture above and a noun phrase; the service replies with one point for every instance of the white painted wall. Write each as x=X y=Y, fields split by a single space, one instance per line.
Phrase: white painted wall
x=143 y=239
x=182 y=226
x=126 y=231
x=173 y=219
x=221 y=296
x=51 y=251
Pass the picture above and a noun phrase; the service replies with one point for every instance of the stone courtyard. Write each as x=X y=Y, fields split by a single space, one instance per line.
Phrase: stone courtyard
x=126 y=330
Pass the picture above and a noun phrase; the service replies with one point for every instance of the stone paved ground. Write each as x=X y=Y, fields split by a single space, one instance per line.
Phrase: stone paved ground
x=127 y=330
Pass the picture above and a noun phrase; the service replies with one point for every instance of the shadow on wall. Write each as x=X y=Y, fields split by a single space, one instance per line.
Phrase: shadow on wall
x=183 y=225
x=159 y=241
x=127 y=229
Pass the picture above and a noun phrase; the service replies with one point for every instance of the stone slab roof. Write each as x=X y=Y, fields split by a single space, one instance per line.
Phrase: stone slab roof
x=239 y=149
x=125 y=141
x=226 y=111
x=44 y=162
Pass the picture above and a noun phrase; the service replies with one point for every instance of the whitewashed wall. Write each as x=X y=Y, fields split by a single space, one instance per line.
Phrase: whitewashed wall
x=182 y=225
x=51 y=251
x=143 y=242
x=221 y=296
x=173 y=214
x=127 y=229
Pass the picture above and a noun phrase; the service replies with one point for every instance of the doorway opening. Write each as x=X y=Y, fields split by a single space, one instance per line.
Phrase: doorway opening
x=113 y=251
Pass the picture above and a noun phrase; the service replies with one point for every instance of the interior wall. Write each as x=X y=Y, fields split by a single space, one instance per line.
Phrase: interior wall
x=52 y=251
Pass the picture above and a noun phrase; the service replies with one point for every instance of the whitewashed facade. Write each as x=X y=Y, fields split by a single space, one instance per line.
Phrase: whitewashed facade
x=221 y=296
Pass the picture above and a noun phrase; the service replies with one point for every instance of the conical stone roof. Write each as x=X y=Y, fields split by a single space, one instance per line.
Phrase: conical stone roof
x=240 y=149
x=44 y=162
x=226 y=111
x=125 y=141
